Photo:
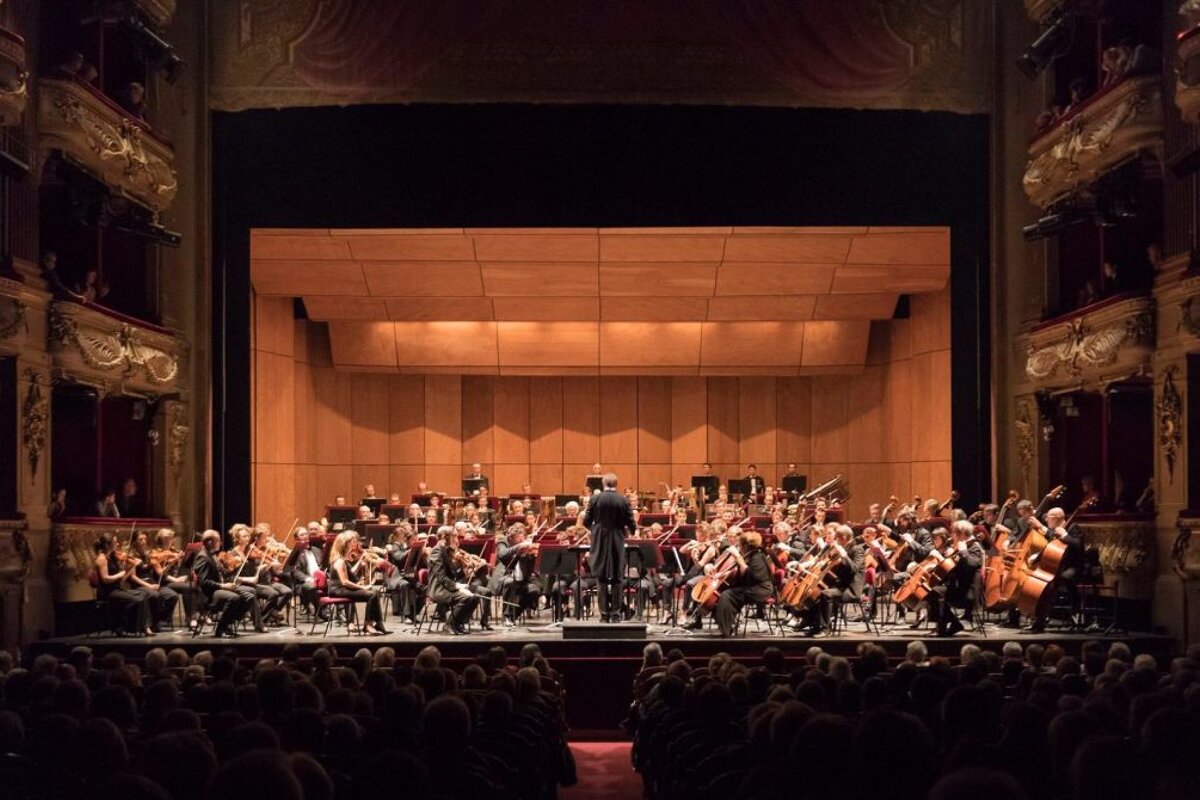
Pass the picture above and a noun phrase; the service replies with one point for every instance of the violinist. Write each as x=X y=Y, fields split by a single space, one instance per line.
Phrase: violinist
x=113 y=569
x=402 y=584
x=479 y=580
x=342 y=583
x=221 y=592
x=143 y=577
x=843 y=582
x=301 y=566
x=275 y=593
x=517 y=555
x=957 y=589
x=173 y=569
x=241 y=573
x=446 y=587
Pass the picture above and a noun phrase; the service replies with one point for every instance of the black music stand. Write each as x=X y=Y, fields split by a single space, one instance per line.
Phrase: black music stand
x=739 y=486
x=394 y=511
x=376 y=534
x=343 y=514
x=709 y=483
x=674 y=563
x=373 y=503
x=472 y=485
x=795 y=484
x=595 y=483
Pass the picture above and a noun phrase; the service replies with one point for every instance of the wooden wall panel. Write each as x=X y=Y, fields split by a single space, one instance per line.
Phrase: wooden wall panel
x=333 y=480
x=650 y=477
x=274 y=412
x=581 y=420
x=332 y=419
x=830 y=416
x=757 y=409
x=654 y=421
x=618 y=421
x=406 y=411
x=864 y=416
x=510 y=430
x=509 y=478
x=478 y=419
x=443 y=420
x=723 y=421
x=546 y=422
x=793 y=436
x=548 y=479
x=371 y=416
x=689 y=422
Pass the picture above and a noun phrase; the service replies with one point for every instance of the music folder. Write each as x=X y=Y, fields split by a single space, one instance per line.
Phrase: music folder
x=472 y=485
x=335 y=514
x=795 y=484
x=557 y=561
x=739 y=486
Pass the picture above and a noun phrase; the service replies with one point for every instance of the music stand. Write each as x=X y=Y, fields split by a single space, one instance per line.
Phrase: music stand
x=561 y=500
x=394 y=511
x=472 y=485
x=376 y=534
x=595 y=483
x=373 y=503
x=795 y=484
x=343 y=514
x=709 y=483
x=412 y=559
x=739 y=486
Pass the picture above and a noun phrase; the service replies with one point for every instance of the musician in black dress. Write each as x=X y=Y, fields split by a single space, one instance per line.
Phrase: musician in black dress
x=112 y=587
x=610 y=518
x=958 y=588
x=753 y=583
x=343 y=582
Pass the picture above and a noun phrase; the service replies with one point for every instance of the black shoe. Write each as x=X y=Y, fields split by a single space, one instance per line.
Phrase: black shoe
x=485 y=626
x=626 y=614
x=1037 y=627
x=228 y=633
x=694 y=625
x=459 y=629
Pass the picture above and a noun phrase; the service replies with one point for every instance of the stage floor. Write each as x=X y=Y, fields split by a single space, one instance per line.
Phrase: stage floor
x=597 y=671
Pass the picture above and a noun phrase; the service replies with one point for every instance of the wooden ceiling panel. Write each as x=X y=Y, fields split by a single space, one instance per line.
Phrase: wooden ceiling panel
x=812 y=372
x=856 y=306
x=523 y=279
x=926 y=247
x=535 y=247
x=354 y=232
x=546 y=309
x=431 y=309
x=660 y=278
x=299 y=278
x=794 y=308
x=546 y=344
x=363 y=344
x=662 y=247
x=446 y=344
x=761 y=230
x=752 y=344
x=332 y=307
x=297 y=246
x=835 y=344
x=899 y=278
x=742 y=278
x=423 y=278
x=715 y=230
x=662 y=309
x=650 y=344
x=411 y=247
x=795 y=248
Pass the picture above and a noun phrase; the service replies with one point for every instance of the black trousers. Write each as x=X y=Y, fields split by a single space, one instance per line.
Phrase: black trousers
x=609 y=591
x=733 y=601
x=162 y=605
x=232 y=605
x=374 y=602
x=484 y=593
x=129 y=606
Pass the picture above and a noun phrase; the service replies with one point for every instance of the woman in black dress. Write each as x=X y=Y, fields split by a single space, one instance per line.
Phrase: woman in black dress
x=342 y=582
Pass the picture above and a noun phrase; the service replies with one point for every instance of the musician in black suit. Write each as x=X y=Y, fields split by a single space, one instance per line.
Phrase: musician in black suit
x=445 y=582
x=757 y=485
x=844 y=581
x=476 y=474
x=958 y=589
x=610 y=519
x=516 y=555
x=1066 y=580
x=219 y=592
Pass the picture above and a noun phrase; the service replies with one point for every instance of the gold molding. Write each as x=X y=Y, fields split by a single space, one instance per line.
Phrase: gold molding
x=177 y=438
x=12 y=316
x=1038 y=10
x=1169 y=415
x=35 y=420
x=1121 y=123
x=159 y=11
x=89 y=344
x=98 y=136
x=1073 y=352
x=1026 y=430
x=14 y=92
x=1189 y=316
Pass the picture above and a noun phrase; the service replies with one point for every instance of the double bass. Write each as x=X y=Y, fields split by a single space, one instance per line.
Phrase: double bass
x=1036 y=578
x=1006 y=571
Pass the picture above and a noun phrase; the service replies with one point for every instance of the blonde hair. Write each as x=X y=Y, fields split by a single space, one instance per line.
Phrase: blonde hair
x=340 y=545
x=752 y=539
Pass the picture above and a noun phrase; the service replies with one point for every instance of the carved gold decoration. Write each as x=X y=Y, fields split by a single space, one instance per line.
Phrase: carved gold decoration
x=1026 y=428
x=72 y=551
x=1170 y=420
x=12 y=317
x=1184 y=562
x=35 y=416
x=15 y=553
x=14 y=78
x=1126 y=549
x=1189 y=317
x=121 y=152
x=177 y=438
x=1123 y=121
x=160 y=12
x=1040 y=9
x=1090 y=341
x=1187 y=88
x=85 y=340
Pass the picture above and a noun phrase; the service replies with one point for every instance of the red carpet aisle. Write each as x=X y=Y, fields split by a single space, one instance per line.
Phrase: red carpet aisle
x=604 y=771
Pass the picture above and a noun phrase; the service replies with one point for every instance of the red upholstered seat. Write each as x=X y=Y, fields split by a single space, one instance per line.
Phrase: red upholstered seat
x=321 y=584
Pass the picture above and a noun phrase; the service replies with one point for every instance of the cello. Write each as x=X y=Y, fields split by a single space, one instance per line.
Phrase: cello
x=930 y=573
x=1036 y=578
x=707 y=591
x=802 y=590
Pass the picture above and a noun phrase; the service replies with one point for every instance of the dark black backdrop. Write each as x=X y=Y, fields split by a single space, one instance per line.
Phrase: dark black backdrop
x=589 y=166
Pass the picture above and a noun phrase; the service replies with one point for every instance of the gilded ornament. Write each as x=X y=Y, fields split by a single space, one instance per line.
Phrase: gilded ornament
x=1170 y=420
x=35 y=414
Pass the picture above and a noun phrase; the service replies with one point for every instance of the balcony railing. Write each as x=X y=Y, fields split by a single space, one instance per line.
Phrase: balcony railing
x=100 y=136
x=1187 y=87
x=13 y=327
x=97 y=346
x=72 y=550
x=1094 y=345
x=1126 y=545
x=1109 y=129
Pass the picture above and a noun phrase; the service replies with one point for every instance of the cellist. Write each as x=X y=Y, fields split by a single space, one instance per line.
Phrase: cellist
x=957 y=589
x=1066 y=579
x=844 y=581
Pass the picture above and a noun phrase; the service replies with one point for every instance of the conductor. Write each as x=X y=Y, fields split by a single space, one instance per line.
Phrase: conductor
x=609 y=517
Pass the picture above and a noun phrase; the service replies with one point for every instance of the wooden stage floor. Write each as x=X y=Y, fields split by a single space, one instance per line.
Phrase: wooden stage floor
x=598 y=672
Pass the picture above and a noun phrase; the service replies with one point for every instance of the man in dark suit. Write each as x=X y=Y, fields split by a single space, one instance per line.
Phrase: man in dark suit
x=957 y=590
x=218 y=592
x=844 y=581
x=757 y=485
x=476 y=474
x=610 y=518
x=446 y=587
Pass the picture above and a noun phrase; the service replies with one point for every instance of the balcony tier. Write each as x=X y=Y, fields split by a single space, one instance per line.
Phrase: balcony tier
x=14 y=78
x=99 y=136
x=100 y=347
